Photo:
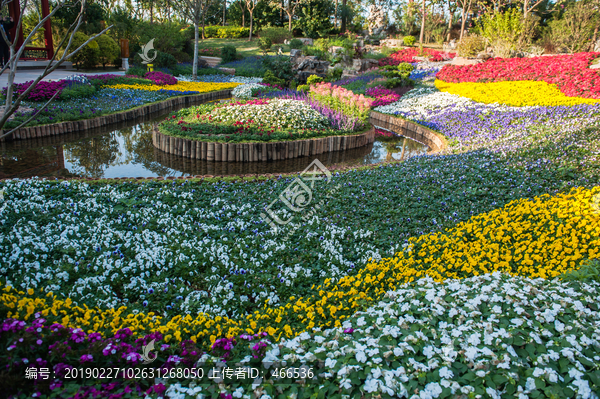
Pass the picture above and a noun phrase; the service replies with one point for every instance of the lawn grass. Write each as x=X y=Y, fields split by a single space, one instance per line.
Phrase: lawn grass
x=244 y=47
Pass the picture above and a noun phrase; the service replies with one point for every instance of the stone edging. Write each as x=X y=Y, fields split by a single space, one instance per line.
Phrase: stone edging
x=435 y=141
x=107 y=120
x=255 y=152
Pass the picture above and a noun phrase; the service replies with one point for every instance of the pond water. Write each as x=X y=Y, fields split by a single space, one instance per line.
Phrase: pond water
x=128 y=152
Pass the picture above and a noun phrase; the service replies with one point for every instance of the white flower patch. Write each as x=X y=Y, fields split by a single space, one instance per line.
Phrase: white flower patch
x=245 y=90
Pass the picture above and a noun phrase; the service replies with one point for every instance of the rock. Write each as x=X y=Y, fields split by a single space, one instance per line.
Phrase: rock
x=295 y=53
x=306 y=41
x=336 y=50
x=483 y=56
x=465 y=61
x=230 y=71
x=364 y=64
x=597 y=46
x=202 y=63
x=595 y=66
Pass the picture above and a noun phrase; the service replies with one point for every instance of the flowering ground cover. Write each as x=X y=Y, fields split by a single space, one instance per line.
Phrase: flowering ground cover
x=258 y=120
x=570 y=73
x=409 y=54
x=519 y=93
x=181 y=87
x=465 y=274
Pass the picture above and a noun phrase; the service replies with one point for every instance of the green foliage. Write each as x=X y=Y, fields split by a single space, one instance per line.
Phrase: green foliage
x=281 y=67
x=124 y=24
x=226 y=32
x=409 y=40
x=508 y=31
x=228 y=54
x=170 y=37
x=334 y=74
x=576 y=28
x=470 y=46
x=165 y=60
x=275 y=35
x=314 y=51
x=93 y=14
x=322 y=45
x=313 y=79
x=296 y=44
x=270 y=78
x=109 y=50
x=87 y=56
x=589 y=272
x=314 y=17
x=264 y=44
x=397 y=75
x=137 y=71
x=303 y=88
x=77 y=91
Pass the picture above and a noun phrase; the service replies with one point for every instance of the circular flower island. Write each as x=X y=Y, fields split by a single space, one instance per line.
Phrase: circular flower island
x=265 y=129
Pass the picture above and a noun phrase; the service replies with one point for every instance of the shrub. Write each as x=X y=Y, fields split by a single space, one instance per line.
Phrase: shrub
x=228 y=54
x=574 y=31
x=264 y=44
x=470 y=46
x=296 y=44
x=226 y=32
x=313 y=79
x=88 y=56
x=108 y=48
x=409 y=40
x=77 y=90
x=276 y=35
x=334 y=74
x=397 y=75
x=137 y=71
x=271 y=79
x=281 y=67
x=508 y=32
x=165 y=60
x=303 y=88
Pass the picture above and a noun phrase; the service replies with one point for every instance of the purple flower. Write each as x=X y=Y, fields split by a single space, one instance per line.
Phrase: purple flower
x=86 y=358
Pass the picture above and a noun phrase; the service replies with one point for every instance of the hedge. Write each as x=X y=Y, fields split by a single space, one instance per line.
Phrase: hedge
x=225 y=32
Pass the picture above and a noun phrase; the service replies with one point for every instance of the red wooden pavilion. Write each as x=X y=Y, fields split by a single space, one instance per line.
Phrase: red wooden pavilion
x=33 y=53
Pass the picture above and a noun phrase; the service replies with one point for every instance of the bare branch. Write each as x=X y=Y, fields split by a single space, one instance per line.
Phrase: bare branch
x=31 y=118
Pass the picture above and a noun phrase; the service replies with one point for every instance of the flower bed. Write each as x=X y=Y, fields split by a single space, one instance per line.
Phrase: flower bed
x=519 y=93
x=570 y=73
x=179 y=87
x=278 y=119
x=409 y=54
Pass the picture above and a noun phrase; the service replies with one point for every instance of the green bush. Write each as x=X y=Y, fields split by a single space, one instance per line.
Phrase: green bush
x=108 y=48
x=264 y=44
x=226 y=32
x=137 y=71
x=313 y=79
x=228 y=54
x=77 y=91
x=281 y=67
x=276 y=35
x=314 y=51
x=588 y=272
x=334 y=74
x=303 y=88
x=470 y=46
x=296 y=44
x=87 y=56
x=165 y=60
x=270 y=78
x=409 y=40
x=397 y=75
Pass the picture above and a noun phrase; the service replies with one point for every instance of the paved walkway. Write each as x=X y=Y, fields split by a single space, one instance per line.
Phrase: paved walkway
x=26 y=75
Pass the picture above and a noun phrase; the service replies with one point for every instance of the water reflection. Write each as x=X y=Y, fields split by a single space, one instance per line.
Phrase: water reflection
x=128 y=152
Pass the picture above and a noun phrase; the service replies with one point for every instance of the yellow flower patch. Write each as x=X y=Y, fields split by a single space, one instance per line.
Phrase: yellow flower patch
x=540 y=237
x=200 y=87
x=516 y=93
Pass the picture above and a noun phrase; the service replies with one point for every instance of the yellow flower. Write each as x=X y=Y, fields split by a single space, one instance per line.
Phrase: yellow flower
x=200 y=87
x=513 y=93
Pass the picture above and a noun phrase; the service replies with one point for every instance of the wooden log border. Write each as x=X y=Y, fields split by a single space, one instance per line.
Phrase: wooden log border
x=435 y=141
x=33 y=132
x=257 y=152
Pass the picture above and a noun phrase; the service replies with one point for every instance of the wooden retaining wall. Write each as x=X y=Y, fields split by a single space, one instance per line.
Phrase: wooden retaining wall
x=255 y=152
x=431 y=139
x=114 y=119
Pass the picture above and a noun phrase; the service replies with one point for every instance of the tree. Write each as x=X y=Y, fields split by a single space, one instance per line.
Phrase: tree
x=16 y=52
x=465 y=6
x=194 y=10
x=250 y=6
x=576 y=27
x=287 y=6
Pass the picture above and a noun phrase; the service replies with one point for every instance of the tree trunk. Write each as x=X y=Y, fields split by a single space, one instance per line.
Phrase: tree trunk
x=195 y=67
x=251 y=21
x=224 y=9
x=343 y=23
x=449 y=24
x=151 y=12
x=203 y=24
x=594 y=38
x=422 y=24
x=290 y=15
x=335 y=16
x=462 y=24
